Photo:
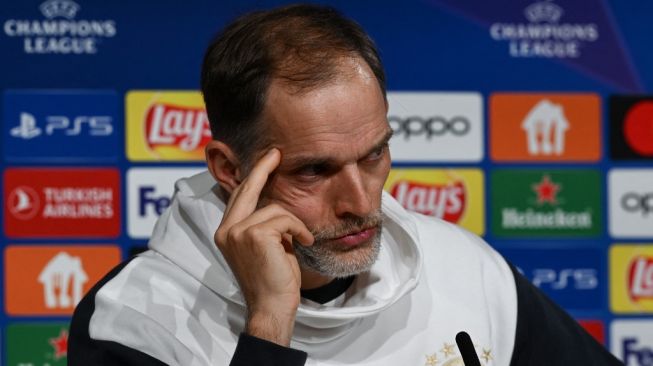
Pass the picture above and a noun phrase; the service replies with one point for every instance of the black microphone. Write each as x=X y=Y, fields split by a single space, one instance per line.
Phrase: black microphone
x=466 y=348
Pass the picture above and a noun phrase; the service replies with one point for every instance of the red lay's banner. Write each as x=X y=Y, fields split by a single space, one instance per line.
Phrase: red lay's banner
x=70 y=202
x=165 y=125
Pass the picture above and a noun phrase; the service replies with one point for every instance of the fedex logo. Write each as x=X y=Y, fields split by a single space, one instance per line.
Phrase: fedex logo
x=149 y=193
x=633 y=350
x=148 y=199
x=631 y=340
x=573 y=278
x=576 y=278
x=61 y=125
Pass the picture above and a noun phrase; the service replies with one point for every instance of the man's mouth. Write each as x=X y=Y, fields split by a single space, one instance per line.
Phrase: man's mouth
x=357 y=237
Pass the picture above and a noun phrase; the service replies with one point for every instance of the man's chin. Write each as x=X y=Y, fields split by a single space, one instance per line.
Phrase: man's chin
x=333 y=258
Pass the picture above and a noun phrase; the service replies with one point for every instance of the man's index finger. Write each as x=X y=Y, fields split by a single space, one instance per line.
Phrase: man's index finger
x=246 y=197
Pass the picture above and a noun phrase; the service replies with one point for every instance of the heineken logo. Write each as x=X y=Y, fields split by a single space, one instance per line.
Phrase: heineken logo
x=547 y=191
x=37 y=344
x=543 y=203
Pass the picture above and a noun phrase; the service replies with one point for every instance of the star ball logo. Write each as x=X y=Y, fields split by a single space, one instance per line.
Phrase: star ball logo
x=37 y=344
x=544 y=36
x=60 y=32
x=454 y=195
x=631 y=127
x=631 y=278
x=533 y=202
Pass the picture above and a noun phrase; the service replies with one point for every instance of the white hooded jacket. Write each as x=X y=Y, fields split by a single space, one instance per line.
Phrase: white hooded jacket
x=179 y=302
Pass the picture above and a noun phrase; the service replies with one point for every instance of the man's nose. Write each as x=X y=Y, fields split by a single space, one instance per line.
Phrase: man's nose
x=351 y=193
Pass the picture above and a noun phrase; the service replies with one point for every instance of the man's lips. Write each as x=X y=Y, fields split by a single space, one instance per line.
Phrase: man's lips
x=356 y=238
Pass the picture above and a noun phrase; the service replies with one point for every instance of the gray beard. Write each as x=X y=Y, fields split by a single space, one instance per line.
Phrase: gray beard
x=328 y=259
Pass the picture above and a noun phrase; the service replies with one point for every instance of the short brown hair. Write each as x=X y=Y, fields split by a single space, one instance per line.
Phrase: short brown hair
x=302 y=44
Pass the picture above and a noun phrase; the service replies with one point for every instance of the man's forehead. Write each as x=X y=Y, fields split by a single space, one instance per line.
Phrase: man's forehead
x=343 y=151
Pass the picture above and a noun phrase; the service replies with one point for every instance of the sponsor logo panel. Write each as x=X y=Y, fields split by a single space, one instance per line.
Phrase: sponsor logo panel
x=542 y=32
x=545 y=127
x=632 y=341
x=149 y=193
x=530 y=202
x=37 y=344
x=595 y=328
x=51 y=280
x=60 y=31
x=60 y=125
x=631 y=279
x=573 y=278
x=631 y=202
x=436 y=126
x=455 y=195
x=631 y=127
x=68 y=202
x=166 y=125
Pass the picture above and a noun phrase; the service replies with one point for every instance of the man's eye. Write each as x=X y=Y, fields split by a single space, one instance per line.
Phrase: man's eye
x=311 y=170
x=377 y=154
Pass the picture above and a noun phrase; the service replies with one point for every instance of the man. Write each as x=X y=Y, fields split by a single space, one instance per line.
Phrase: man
x=288 y=253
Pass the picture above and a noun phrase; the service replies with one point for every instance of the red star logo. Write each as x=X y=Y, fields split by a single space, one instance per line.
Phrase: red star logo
x=60 y=344
x=546 y=191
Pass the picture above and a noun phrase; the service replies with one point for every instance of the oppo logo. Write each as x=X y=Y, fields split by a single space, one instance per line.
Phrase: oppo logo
x=635 y=202
x=429 y=127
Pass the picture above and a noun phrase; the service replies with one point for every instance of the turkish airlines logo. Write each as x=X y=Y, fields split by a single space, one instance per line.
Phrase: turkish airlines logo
x=170 y=125
x=640 y=278
x=545 y=127
x=63 y=280
x=70 y=202
x=23 y=203
x=27 y=128
x=445 y=201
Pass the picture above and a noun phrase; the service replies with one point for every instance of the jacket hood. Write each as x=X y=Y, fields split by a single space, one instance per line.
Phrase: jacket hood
x=184 y=235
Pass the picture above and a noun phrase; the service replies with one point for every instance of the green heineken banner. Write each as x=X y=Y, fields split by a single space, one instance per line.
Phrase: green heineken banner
x=530 y=202
x=37 y=344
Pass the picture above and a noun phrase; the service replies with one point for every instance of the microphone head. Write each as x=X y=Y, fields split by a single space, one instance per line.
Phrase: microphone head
x=466 y=348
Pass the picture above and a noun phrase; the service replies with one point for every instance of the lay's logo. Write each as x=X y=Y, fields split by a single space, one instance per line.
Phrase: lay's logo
x=166 y=126
x=631 y=278
x=640 y=279
x=445 y=201
x=454 y=195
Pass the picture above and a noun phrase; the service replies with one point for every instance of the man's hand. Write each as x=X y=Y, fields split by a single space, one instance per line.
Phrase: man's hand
x=257 y=245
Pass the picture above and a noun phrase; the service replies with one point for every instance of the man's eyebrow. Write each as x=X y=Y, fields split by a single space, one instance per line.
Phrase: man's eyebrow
x=383 y=142
x=303 y=161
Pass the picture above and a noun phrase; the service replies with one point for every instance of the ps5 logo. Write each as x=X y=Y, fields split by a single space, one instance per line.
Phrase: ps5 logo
x=28 y=128
x=578 y=278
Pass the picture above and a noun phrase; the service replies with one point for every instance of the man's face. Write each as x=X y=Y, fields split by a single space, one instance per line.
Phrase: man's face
x=334 y=162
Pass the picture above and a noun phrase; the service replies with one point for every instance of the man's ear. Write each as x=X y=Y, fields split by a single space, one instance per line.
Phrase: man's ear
x=223 y=165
